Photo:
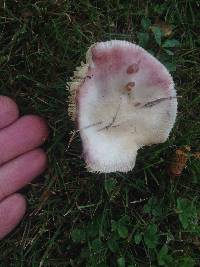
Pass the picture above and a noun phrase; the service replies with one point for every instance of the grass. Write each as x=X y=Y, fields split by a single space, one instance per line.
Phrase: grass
x=74 y=218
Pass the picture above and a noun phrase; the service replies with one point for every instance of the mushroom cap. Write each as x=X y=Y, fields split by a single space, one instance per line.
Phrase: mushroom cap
x=122 y=99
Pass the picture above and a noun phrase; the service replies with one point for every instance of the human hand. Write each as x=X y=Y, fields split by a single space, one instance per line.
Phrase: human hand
x=20 y=160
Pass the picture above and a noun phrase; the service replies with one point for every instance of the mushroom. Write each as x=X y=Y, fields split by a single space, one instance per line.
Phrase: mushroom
x=122 y=99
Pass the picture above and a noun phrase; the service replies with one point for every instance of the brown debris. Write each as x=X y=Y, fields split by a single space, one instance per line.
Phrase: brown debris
x=179 y=161
x=196 y=155
x=165 y=28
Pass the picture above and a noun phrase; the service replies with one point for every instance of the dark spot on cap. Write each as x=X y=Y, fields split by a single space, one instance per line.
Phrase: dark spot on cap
x=132 y=68
x=129 y=86
x=137 y=104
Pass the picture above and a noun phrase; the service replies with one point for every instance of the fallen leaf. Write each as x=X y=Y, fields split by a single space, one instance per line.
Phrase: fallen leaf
x=179 y=161
x=197 y=155
x=165 y=28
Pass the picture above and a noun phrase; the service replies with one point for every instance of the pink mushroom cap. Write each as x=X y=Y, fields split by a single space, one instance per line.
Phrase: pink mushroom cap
x=122 y=99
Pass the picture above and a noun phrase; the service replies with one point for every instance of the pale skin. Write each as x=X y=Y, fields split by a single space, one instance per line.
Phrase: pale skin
x=21 y=160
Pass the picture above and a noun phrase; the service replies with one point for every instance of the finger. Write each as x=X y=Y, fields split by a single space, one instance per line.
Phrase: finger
x=25 y=134
x=12 y=210
x=8 y=111
x=20 y=171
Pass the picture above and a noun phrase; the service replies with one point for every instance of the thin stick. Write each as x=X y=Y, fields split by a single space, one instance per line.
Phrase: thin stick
x=77 y=131
x=112 y=122
x=158 y=101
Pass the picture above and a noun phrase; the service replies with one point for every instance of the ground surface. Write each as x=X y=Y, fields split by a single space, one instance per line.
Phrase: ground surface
x=143 y=218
